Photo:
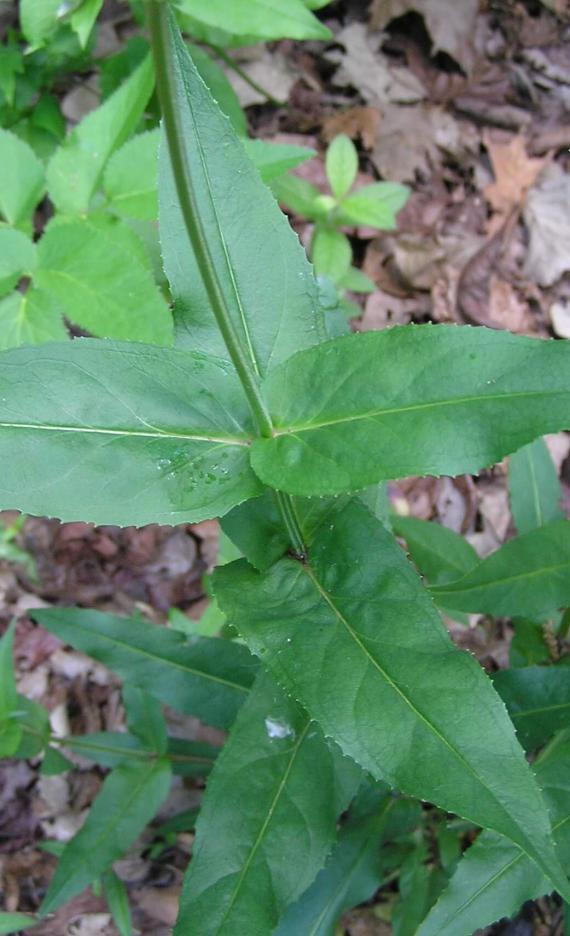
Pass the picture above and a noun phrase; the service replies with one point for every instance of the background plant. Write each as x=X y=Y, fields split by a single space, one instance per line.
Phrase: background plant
x=186 y=441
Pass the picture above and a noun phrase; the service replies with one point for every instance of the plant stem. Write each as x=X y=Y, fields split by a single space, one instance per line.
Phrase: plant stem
x=166 y=89
x=231 y=63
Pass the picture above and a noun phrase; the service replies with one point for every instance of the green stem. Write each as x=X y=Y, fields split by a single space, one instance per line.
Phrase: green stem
x=166 y=89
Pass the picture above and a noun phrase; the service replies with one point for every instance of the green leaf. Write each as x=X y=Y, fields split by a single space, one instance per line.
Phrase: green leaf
x=534 y=488
x=191 y=758
x=117 y=899
x=439 y=553
x=265 y=277
x=538 y=700
x=419 y=399
x=14 y=922
x=145 y=718
x=17 y=257
x=100 y=285
x=8 y=690
x=494 y=877
x=263 y=19
x=54 y=763
x=529 y=575
x=83 y=19
x=10 y=737
x=341 y=164
x=351 y=876
x=528 y=645
x=357 y=282
x=34 y=720
x=128 y=800
x=33 y=317
x=109 y=748
x=75 y=170
x=377 y=655
x=38 y=18
x=273 y=159
x=220 y=88
x=209 y=678
x=297 y=194
x=331 y=252
x=120 y=433
x=23 y=183
x=375 y=205
x=267 y=821
x=11 y=64
x=134 y=194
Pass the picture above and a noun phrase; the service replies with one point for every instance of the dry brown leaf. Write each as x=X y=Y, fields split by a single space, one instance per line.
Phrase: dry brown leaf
x=547 y=216
x=450 y=23
x=356 y=122
x=515 y=172
x=508 y=310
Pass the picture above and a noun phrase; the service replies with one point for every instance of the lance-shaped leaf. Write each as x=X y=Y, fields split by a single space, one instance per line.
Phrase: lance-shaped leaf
x=121 y=433
x=267 y=822
x=262 y=19
x=411 y=400
x=527 y=576
x=534 y=488
x=209 y=678
x=355 y=638
x=75 y=169
x=265 y=277
x=129 y=799
x=439 y=553
x=494 y=877
x=538 y=700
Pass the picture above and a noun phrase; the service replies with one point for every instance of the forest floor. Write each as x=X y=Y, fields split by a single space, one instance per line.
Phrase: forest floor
x=469 y=104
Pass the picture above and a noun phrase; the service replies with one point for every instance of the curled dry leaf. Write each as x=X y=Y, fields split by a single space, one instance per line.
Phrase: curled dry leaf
x=547 y=216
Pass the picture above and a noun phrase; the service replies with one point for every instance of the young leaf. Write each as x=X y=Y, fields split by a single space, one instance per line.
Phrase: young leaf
x=23 y=181
x=101 y=285
x=54 y=763
x=494 y=877
x=367 y=664
x=355 y=280
x=439 y=553
x=529 y=575
x=341 y=164
x=266 y=280
x=8 y=690
x=209 y=678
x=33 y=317
x=332 y=253
x=375 y=205
x=17 y=257
x=118 y=902
x=538 y=700
x=76 y=168
x=83 y=19
x=134 y=194
x=145 y=718
x=273 y=788
x=350 y=877
x=15 y=922
x=262 y=19
x=273 y=159
x=128 y=800
x=38 y=18
x=125 y=434
x=534 y=488
x=297 y=194
x=412 y=400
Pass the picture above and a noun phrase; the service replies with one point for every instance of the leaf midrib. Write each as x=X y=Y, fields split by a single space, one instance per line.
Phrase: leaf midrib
x=415 y=407
x=456 y=589
x=136 y=433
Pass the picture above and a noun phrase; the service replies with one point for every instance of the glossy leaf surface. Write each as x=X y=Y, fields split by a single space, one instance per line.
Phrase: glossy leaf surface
x=76 y=168
x=529 y=575
x=538 y=700
x=534 y=488
x=494 y=877
x=128 y=800
x=411 y=400
x=209 y=678
x=122 y=434
x=262 y=19
x=265 y=277
x=267 y=821
x=355 y=638
x=100 y=284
